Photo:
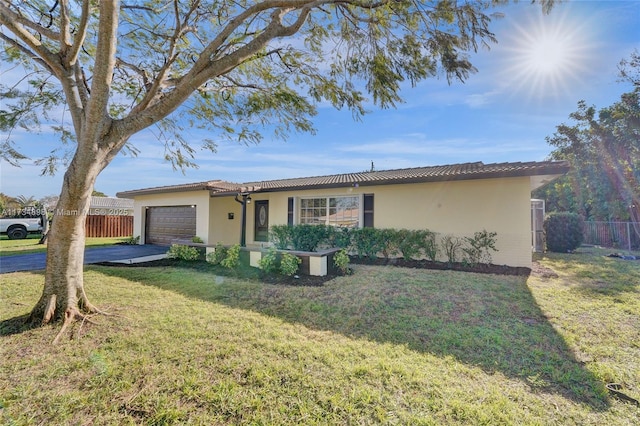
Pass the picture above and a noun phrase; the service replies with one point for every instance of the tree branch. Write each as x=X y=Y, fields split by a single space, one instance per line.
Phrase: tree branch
x=20 y=20
x=26 y=51
x=153 y=89
x=81 y=34
x=65 y=28
x=96 y=111
x=34 y=47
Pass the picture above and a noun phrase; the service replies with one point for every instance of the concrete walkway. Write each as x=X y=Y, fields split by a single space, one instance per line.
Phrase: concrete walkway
x=115 y=253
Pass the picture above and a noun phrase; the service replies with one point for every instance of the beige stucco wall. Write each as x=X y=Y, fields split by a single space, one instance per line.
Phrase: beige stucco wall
x=221 y=228
x=199 y=199
x=462 y=208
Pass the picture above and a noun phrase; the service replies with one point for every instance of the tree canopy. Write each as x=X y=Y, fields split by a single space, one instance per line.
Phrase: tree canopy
x=603 y=147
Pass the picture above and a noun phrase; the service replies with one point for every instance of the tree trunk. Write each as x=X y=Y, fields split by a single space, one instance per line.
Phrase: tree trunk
x=63 y=296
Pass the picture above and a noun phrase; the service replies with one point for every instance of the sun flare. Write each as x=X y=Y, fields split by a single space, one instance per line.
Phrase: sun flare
x=546 y=56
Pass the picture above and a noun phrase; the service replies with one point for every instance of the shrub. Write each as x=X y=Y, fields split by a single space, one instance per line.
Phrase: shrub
x=280 y=236
x=367 y=242
x=132 y=241
x=451 y=246
x=341 y=261
x=269 y=261
x=408 y=243
x=563 y=232
x=218 y=255
x=340 y=237
x=182 y=252
x=289 y=264
x=307 y=237
x=478 y=247
x=428 y=244
x=232 y=259
x=389 y=241
x=197 y=240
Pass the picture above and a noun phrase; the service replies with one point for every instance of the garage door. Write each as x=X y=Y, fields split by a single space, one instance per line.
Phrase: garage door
x=165 y=224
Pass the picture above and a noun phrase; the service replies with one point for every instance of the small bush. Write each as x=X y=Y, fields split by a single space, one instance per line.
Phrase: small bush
x=408 y=244
x=197 y=240
x=307 y=237
x=178 y=251
x=563 y=232
x=429 y=245
x=341 y=261
x=452 y=246
x=367 y=242
x=389 y=240
x=218 y=255
x=280 y=236
x=289 y=264
x=269 y=261
x=132 y=241
x=340 y=237
x=232 y=259
x=479 y=246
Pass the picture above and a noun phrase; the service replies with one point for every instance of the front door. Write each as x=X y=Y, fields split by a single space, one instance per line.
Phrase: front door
x=261 y=222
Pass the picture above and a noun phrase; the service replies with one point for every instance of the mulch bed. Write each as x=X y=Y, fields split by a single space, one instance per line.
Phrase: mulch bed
x=315 y=281
x=443 y=266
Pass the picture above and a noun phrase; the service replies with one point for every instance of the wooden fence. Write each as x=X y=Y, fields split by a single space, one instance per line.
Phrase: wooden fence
x=109 y=226
x=623 y=235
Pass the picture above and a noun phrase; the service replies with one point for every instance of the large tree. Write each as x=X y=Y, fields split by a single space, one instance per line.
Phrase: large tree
x=603 y=147
x=236 y=67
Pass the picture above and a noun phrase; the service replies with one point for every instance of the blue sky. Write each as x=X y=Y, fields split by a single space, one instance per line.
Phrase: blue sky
x=526 y=85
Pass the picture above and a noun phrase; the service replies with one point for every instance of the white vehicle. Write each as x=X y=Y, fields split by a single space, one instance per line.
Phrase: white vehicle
x=19 y=223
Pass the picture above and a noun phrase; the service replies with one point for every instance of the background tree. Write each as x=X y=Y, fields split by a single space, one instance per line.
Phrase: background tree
x=25 y=201
x=7 y=202
x=236 y=68
x=603 y=148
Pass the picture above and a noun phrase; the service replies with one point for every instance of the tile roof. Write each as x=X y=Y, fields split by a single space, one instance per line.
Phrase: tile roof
x=212 y=185
x=111 y=202
x=465 y=171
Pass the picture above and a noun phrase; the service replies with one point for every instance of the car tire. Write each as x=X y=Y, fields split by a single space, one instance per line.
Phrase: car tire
x=17 y=233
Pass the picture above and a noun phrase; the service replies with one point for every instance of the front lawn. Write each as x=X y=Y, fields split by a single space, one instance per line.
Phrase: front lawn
x=386 y=345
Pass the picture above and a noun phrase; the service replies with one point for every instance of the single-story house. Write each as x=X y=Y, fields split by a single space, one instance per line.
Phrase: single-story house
x=457 y=199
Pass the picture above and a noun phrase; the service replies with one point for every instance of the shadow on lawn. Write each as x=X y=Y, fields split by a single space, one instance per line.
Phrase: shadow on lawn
x=487 y=321
x=15 y=325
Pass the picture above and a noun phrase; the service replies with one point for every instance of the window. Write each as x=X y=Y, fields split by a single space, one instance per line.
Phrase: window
x=334 y=211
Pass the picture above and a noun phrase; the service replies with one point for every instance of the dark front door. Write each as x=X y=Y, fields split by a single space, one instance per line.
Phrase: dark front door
x=261 y=222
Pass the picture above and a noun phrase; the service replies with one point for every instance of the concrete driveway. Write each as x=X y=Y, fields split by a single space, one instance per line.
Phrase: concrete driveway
x=116 y=253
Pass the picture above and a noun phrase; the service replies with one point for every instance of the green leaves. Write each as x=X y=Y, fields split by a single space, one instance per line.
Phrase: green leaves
x=563 y=232
x=603 y=147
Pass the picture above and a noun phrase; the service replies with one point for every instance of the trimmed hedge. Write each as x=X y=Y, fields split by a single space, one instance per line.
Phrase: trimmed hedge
x=387 y=242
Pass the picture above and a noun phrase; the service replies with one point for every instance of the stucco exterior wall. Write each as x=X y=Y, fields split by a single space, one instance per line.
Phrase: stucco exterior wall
x=221 y=228
x=199 y=199
x=462 y=208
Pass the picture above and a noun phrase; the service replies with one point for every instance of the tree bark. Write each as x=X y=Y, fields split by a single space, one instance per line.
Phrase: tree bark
x=63 y=296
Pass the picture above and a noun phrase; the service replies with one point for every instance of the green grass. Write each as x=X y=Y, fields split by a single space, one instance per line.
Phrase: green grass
x=30 y=244
x=384 y=346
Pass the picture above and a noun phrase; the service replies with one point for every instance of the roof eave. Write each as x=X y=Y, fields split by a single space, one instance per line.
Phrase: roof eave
x=540 y=177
